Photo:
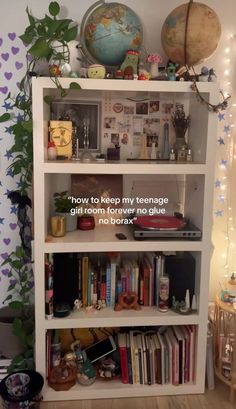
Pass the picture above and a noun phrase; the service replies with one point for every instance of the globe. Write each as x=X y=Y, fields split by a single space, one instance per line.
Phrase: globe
x=201 y=38
x=108 y=31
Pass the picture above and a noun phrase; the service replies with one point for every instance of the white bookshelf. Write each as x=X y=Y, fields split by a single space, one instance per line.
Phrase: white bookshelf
x=198 y=181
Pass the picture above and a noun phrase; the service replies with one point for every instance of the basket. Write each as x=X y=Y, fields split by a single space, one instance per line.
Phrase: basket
x=62 y=377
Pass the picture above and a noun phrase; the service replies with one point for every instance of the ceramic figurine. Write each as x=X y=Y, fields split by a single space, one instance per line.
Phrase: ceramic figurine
x=65 y=69
x=171 y=72
x=75 y=56
x=203 y=77
x=212 y=75
x=96 y=71
x=154 y=59
x=131 y=60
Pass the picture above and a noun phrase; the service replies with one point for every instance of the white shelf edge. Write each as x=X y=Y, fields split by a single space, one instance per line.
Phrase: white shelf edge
x=121 y=246
x=106 y=318
x=125 y=167
x=124 y=85
x=116 y=389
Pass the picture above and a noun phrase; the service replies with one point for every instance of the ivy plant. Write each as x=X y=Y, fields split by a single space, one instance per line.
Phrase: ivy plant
x=19 y=298
x=47 y=39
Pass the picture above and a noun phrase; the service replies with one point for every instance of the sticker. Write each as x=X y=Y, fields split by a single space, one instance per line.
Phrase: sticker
x=109 y=123
x=117 y=107
x=125 y=139
x=115 y=138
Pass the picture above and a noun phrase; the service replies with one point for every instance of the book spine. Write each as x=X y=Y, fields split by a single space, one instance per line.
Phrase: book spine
x=113 y=283
x=85 y=263
x=48 y=287
x=108 y=285
x=79 y=267
x=124 y=365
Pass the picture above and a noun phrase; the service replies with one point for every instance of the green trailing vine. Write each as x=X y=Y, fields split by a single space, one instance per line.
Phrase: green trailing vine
x=47 y=40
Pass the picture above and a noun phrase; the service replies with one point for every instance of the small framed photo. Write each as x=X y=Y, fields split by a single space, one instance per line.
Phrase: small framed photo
x=86 y=120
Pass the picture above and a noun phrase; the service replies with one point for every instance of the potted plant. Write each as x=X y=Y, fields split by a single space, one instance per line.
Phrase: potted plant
x=63 y=206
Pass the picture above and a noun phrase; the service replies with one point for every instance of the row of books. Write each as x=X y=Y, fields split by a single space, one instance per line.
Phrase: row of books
x=166 y=356
x=105 y=277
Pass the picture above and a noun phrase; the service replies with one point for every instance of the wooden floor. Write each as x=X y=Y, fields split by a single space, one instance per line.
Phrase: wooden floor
x=216 y=399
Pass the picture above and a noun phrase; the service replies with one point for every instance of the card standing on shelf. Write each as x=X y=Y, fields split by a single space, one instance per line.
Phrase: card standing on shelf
x=61 y=135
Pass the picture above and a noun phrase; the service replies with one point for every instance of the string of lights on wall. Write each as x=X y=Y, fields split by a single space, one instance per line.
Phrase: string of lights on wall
x=224 y=182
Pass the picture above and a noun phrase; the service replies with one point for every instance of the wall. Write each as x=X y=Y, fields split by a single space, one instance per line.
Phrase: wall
x=12 y=65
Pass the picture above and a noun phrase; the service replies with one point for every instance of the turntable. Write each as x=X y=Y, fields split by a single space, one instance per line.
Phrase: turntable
x=164 y=227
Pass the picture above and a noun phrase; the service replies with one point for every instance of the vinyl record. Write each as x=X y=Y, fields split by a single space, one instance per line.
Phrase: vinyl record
x=159 y=222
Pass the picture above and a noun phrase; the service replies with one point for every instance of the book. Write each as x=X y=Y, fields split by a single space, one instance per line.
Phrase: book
x=157 y=359
x=108 y=282
x=148 y=359
x=140 y=353
x=129 y=360
x=180 y=338
x=145 y=380
x=175 y=356
x=170 y=356
x=85 y=271
x=114 y=260
x=79 y=272
x=123 y=357
x=163 y=358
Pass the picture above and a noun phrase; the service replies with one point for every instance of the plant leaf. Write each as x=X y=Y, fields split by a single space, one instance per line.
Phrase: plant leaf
x=40 y=49
x=48 y=99
x=5 y=117
x=74 y=85
x=16 y=305
x=54 y=8
x=70 y=34
x=28 y=125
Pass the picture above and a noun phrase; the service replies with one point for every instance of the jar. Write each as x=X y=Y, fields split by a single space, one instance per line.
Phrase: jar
x=52 y=151
x=182 y=154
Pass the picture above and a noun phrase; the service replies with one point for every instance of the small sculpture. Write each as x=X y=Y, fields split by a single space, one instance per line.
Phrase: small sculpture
x=130 y=62
x=96 y=71
x=127 y=301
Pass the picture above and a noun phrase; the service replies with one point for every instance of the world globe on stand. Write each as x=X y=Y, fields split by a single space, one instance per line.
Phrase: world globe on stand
x=202 y=36
x=108 y=31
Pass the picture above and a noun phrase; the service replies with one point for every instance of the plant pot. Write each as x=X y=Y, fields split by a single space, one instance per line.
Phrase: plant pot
x=71 y=221
x=86 y=223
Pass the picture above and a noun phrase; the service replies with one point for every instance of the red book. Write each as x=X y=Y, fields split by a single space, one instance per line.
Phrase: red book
x=123 y=357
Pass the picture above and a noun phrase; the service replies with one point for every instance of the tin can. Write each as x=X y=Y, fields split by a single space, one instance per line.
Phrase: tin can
x=163 y=299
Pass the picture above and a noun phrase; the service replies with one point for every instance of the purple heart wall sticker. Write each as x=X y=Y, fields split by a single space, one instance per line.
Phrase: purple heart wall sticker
x=4 y=256
x=15 y=50
x=12 y=36
x=4 y=90
x=18 y=65
x=5 y=271
x=12 y=226
x=8 y=75
x=1 y=41
x=5 y=56
x=7 y=241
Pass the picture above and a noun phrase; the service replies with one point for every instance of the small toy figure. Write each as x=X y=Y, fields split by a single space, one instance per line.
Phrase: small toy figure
x=212 y=75
x=77 y=304
x=54 y=70
x=130 y=62
x=203 y=77
x=97 y=71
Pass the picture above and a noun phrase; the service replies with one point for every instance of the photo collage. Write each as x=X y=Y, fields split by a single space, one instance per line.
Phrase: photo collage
x=138 y=127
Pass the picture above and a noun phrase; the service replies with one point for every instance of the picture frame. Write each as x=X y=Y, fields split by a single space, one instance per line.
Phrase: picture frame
x=81 y=113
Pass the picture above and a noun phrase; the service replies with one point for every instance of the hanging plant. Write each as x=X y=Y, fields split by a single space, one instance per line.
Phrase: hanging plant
x=47 y=39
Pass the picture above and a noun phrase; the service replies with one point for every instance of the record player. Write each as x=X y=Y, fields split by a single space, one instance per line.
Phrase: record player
x=164 y=227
